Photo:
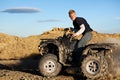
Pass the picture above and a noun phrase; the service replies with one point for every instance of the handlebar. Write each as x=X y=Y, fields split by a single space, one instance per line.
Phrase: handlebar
x=68 y=34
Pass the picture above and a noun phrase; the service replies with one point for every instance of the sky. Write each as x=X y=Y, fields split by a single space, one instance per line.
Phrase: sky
x=33 y=17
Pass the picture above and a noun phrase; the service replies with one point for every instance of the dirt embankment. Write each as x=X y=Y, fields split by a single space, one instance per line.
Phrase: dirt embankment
x=13 y=47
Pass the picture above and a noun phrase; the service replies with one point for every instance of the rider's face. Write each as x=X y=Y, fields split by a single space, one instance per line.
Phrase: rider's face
x=72 y=16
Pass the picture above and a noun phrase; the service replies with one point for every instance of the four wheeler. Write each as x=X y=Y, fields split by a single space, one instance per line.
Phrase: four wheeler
x=94 y=60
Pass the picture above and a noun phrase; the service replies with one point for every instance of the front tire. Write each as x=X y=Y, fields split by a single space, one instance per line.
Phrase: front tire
x=49 y=65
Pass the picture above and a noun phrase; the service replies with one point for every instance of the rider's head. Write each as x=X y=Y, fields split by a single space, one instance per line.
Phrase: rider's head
x=72 y=14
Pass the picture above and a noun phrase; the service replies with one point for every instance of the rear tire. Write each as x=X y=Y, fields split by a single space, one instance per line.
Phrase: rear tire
x=94 y=67
x=49 y=65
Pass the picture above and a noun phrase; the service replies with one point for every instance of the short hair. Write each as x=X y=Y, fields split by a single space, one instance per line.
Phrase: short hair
x=71 y=11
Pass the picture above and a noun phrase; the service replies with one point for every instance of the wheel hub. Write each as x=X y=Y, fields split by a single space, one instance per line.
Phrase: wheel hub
x=49 y=66
x=93 y=67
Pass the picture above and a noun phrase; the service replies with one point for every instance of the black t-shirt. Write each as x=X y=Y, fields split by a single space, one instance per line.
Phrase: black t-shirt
x=79 y=21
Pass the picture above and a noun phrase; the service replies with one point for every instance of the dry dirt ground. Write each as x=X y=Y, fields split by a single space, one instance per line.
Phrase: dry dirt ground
x=19 y=57
x=27 y=70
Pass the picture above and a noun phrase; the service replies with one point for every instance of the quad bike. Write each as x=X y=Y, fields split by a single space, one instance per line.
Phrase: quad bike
x=94 y=60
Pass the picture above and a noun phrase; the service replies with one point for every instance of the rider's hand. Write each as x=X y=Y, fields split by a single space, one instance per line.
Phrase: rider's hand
x=74 y=35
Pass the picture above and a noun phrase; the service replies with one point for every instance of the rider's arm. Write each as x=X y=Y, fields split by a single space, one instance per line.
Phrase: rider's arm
x=82 y=29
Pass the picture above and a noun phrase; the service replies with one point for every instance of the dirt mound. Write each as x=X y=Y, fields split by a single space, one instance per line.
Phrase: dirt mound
x=13 y=47
x=105 y=38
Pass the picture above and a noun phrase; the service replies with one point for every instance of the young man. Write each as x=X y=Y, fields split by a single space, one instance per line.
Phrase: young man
x=80 y=27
